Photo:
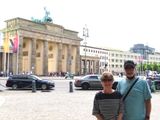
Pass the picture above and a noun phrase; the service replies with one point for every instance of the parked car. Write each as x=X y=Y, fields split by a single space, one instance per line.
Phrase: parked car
x=157 y=84
x=154 y=84
x=25 y=82
x=91 y=81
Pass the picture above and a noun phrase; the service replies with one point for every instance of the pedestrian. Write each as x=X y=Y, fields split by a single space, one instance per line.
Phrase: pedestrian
x=136 y=94
x=107 y=103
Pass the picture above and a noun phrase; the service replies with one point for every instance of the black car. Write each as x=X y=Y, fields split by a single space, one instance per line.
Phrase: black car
x=25 y=82
x=91 y=81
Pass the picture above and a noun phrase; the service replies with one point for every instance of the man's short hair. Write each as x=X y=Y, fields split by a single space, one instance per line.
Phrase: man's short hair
x=129 y=63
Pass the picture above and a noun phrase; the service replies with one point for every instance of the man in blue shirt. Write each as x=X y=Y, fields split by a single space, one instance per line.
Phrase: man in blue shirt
x=137 y=105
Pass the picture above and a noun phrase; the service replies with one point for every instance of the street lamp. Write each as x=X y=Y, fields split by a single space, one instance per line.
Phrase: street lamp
x=106 y=64
x=85 y=34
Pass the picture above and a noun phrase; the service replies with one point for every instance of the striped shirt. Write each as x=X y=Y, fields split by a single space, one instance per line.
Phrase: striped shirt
x=108 y=105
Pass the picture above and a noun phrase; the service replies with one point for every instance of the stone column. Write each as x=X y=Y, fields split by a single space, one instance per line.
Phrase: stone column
x=3 y=61
x=77 y=60
x=97 y=67
x=45 y=58
x=20 y=55
x=14 y=62
x=69 y=58
x=95 y=64
x=33 y=56
x=89 y=65
x=10 y=62
x=59 y=57
x=93 y=67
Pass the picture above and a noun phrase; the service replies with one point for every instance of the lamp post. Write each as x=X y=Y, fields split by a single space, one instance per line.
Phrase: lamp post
x=106 y=64
x=85 y=34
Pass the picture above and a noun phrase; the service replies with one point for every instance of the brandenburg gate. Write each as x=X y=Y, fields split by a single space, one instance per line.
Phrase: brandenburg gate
x=43 y=47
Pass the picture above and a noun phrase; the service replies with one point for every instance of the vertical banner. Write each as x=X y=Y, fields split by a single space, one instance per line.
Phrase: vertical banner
x=6 y=50
x=6 y=43
x=16 y=49
x=14 y=41
x=1 y=39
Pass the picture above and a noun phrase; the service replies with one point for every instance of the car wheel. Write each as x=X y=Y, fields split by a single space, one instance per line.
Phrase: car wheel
x=14 y=86
x=85 y=86
x=44 y=87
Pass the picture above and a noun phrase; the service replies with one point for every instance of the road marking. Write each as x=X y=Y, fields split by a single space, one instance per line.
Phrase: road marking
x=2 y=100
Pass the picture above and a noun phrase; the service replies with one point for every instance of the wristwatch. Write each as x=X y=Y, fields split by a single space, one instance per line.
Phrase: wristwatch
x=147 y=117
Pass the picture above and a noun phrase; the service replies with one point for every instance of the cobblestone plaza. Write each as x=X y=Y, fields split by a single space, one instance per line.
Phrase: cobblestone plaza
x=58 y=104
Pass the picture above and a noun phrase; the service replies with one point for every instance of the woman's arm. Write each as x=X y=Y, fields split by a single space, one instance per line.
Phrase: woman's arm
x=99 y=117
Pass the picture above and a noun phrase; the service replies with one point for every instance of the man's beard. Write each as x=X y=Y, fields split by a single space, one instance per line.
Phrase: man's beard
x=130 y=77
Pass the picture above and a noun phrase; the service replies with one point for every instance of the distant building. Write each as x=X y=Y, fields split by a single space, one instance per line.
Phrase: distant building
x=96 y=59
x=154 y=58
x=105 y=59
x=144 y=50
x=118 y=57
x=43 y=48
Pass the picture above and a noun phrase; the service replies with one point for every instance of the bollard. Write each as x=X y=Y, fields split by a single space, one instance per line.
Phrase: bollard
x=33 y=86
x=70 y=86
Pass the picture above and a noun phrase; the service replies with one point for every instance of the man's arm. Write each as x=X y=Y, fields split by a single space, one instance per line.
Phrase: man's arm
x=148 y=109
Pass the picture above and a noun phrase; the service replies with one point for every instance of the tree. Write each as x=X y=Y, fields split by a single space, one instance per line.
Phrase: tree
x=155 y=67
x=145 y=67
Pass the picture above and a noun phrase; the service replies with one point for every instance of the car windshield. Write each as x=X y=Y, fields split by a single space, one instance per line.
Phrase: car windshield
x=36 y=77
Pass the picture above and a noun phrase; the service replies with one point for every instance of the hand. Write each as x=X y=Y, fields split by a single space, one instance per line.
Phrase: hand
x=147 y=118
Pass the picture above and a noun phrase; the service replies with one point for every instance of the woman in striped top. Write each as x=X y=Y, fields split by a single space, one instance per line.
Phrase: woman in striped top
x=107 y=103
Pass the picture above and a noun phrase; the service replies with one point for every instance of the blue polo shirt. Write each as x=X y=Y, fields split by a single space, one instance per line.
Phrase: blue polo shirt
x=134 y=104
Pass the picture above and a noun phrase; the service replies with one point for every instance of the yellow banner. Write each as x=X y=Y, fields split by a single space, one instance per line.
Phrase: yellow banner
x=6 y=43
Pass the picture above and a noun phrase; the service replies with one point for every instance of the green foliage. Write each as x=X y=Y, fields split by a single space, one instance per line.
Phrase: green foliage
x=146 y=66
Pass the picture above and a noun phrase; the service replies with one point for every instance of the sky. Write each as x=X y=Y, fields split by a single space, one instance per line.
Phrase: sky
x=117 y=24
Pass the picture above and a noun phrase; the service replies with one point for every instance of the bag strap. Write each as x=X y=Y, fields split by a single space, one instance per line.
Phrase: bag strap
x=129 y=89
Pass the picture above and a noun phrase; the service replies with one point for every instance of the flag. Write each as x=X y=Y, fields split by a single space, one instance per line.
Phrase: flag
x=6 y=43
x=15 y=43
x=1 y=39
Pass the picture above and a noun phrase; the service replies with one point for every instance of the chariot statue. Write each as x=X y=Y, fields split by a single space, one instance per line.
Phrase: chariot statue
x=45 y=19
